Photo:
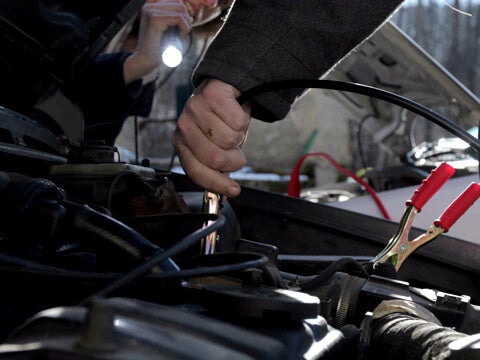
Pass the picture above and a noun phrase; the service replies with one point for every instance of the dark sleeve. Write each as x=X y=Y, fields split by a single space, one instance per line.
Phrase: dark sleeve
x=101 y=93
x=268 y=40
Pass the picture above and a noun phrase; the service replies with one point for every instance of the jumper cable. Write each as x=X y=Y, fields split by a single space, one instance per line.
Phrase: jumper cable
x=399 y=246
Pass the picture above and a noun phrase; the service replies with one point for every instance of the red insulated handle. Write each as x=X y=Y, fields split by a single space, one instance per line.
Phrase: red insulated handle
x=458 y=207
x=430 y=186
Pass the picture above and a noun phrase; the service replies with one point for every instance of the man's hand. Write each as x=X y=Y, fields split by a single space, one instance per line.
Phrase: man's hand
x=156 y=17
x=209 y=135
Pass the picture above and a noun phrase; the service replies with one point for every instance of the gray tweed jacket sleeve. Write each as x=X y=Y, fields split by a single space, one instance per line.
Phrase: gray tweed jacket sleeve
x=268 y=40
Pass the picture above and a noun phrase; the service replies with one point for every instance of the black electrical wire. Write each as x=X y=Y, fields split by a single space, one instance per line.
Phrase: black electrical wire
x=170 y=218
x=325 y=275
x=368 y=91
x=213 y=270
x=376 y=115
x=159 y=257
x=172 y=159
x=135 y=122
x=20 y=265
x=359 y=138
x=24 y=267
x=159 y=84
x=115 y=233
x=197 y=60
x=165 y=78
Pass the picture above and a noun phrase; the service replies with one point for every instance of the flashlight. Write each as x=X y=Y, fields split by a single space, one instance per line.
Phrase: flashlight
x=172 y=47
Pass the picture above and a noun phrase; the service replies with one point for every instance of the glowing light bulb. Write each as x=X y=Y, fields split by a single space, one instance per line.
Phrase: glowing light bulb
x=172 y=56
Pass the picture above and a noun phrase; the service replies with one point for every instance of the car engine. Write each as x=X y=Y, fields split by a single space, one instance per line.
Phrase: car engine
x=100 y=259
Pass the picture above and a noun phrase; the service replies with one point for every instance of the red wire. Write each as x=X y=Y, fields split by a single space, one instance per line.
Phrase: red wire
x=294 y=186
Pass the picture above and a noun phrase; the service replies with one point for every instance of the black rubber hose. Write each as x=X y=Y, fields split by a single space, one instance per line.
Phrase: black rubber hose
x=339 y=265
x=20 y=193
x=159 y=257
x=405 y=337
x=368 y=91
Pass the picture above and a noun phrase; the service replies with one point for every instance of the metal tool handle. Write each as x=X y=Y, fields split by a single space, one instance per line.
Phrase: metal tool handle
x=437 y=178
x=458 y=207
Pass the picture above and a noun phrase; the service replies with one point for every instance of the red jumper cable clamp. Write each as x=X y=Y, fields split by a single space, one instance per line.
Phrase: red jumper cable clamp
x=399 y=246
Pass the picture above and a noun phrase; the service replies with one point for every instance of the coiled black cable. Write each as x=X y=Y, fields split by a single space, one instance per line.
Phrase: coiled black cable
x=368 y=91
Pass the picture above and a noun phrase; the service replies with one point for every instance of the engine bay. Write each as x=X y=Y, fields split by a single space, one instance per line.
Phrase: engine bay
x=102 y=260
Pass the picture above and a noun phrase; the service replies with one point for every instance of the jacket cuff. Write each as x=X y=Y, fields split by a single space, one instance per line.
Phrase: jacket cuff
x=111 y=66
x=260 y=106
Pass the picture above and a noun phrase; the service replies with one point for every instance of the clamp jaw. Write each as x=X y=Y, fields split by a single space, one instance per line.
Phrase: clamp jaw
x=399 y=246
x=211 y=205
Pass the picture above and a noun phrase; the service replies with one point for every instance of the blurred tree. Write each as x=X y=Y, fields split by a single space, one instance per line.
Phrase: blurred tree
x=449 y=36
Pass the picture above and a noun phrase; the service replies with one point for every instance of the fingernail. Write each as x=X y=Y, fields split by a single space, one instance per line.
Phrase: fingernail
x=233 y=191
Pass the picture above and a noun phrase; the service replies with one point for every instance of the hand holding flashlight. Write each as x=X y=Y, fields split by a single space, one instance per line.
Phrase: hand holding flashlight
x=161 y=21
x=172 y=47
